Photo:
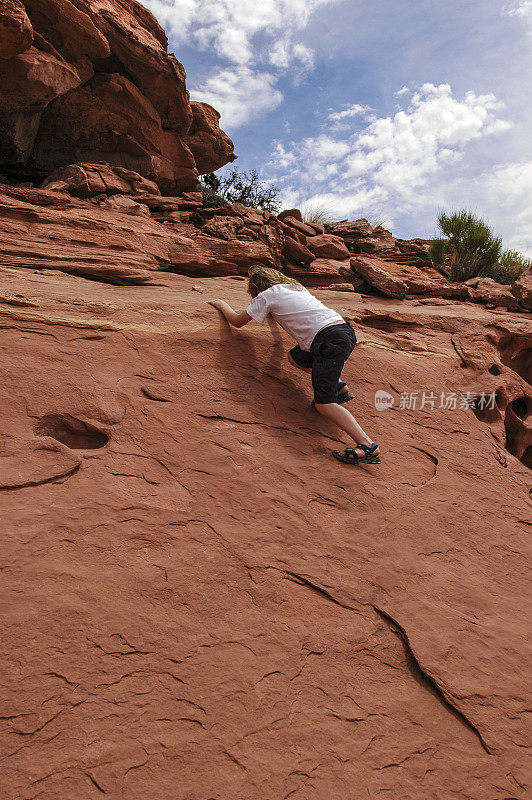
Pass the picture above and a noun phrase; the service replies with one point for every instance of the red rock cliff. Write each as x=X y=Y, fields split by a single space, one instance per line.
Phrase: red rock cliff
x=91 y=80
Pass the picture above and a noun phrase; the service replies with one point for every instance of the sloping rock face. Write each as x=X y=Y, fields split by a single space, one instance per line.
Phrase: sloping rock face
x=91 y=80
x=199 y=602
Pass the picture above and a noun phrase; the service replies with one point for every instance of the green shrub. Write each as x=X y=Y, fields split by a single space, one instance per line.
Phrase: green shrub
x=469 y=248
x=209 y=186
x=239 y=187
x=511 y=265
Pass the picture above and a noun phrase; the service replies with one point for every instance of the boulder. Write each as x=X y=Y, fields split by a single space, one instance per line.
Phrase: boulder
x=88 y=180
x=28 y=82
x=321 y=272
x=374 y=272
x=291 y=212
x=174 y=217
x=377 y=243
x=245 y=224
x=297 y=253
x=450 y=291
x=292 y=233
x=318 y=229
x=32 y=79
x=486 y=290
x=522 y=288
x=142 y=56
x=125 y=203
x=419 y=285
x=327 y=246
x=414 y=252
x=301 y=227
x=221 y=227
x=69 y=30
x=210 y=146
x=341 y=287
x=351 y=231
x=16 y=33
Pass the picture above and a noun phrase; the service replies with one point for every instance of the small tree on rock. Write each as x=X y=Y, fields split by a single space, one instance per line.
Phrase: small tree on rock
x=239 y=187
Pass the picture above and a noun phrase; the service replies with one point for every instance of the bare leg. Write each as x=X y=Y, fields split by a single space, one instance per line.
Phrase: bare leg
x=346 y=421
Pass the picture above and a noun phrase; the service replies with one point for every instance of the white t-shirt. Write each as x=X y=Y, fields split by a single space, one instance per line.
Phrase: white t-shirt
x=296 y=310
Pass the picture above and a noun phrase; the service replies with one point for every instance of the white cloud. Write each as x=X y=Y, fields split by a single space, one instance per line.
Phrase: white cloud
x=229 y=26
x=343 y=119
x=354 y=110
x=239 y=94
x=285 y=53
x=506 y=194
x=521 y=9
x=402 y=151
x=229 y=30
x=393 y=163
x=282 y=158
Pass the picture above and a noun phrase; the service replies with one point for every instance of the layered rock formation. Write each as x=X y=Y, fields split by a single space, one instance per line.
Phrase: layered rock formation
x=178 y=234
x=92 y=81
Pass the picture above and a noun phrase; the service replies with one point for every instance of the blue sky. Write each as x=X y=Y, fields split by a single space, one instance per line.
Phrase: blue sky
x=391 y=111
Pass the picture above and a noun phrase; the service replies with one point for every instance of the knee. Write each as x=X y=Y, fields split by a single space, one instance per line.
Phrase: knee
x=324 y=408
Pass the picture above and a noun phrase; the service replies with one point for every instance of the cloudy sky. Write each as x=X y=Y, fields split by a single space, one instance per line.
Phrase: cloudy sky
x=388 y=110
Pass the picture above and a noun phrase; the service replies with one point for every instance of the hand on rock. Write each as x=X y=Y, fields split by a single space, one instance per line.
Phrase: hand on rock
x=215 y=303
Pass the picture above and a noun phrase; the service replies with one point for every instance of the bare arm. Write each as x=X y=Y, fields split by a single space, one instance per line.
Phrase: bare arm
x=237 y=320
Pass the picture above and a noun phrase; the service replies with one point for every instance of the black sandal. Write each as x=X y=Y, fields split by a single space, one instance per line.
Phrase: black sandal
x=350 y=455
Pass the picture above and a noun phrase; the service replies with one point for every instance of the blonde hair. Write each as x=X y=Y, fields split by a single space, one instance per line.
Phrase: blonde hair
x=262 y=277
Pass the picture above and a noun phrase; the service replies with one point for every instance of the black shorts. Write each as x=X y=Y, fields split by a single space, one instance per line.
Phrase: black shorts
x=330 y=349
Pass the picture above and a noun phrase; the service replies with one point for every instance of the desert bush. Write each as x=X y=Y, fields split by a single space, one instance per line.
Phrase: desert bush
x=510 y=266
x=319 y=213
x=239 y=187
x=209 y=185
x=468 y=247
x=378 y=221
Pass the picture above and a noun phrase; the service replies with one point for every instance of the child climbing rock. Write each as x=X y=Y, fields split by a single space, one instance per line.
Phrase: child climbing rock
x=324 y=343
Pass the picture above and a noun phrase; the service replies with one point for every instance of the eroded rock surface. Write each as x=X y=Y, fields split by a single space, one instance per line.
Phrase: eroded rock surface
x=198 y=601
x=16 y=33
x=91 y=80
